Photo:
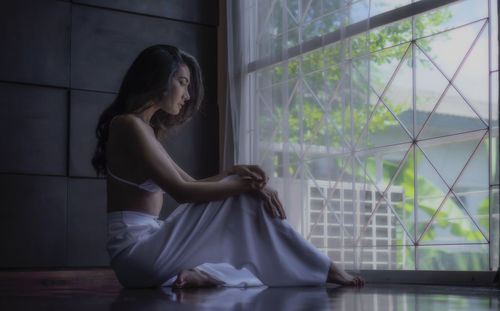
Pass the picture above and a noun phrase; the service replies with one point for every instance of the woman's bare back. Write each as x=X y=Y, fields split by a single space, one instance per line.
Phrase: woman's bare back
x=122 y=196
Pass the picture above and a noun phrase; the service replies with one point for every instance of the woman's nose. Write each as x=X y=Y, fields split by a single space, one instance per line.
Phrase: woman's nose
x=186 y=95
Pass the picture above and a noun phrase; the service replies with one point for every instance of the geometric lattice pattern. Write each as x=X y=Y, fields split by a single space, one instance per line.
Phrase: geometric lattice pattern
x=383 y=140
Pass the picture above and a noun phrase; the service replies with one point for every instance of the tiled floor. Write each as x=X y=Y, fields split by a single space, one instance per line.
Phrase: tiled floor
x=102 y=292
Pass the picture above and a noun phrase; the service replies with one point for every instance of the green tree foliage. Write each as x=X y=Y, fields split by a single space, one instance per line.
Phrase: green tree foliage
x=336 y=81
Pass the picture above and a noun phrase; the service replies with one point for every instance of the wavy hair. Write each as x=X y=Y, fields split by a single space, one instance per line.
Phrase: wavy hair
x=149 y=78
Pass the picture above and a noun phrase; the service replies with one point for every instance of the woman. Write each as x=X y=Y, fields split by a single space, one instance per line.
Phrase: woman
x=229 y=229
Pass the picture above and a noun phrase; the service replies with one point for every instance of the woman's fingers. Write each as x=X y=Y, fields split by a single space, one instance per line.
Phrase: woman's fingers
x=245 y=172
x=272 y=203
x=253 y=172
x=267 y=200
x=253 y=184
x=260 y=172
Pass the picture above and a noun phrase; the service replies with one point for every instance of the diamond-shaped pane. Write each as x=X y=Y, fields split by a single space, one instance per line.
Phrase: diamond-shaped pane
x=386 y=213
x=430 y=190
x=430 y=84
x=452 y=116
x=473 y=188
x=383 y=65
x=457 y=42
x=448 y=156
x=383 y=129
x=472 y=80
x=399 y=96
x=452 y=225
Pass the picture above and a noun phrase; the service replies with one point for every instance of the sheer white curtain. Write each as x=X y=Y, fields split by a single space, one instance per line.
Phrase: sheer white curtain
x=236 y=147
x=377 y=123
x=284 y=57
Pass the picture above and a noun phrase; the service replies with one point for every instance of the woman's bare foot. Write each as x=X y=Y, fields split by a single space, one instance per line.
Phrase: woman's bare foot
x=195 y=278
x=339 y=276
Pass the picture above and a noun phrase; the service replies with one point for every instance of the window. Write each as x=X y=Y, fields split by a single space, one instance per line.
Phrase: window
x=379 y=122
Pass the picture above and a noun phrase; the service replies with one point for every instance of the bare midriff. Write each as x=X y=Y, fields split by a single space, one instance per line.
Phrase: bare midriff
x=123 y=197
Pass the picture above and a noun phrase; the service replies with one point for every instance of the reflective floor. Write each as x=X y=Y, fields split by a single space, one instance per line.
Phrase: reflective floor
x=372 y=297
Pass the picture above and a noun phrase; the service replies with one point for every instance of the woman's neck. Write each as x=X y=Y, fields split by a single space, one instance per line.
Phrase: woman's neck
x=148 y=113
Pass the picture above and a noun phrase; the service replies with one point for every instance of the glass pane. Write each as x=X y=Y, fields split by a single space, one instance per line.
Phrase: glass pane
x=312 y=61
x=399 y=99
x=448 y=49
x=449 y=156
x=391 y=35
x=385 y=220
x=454 y=15
x=359 y=11
x=383 y=65
x=473 y=189
x=355 y=98
x=452 y=225
x=472 y=80
x=452 y=116
x=430 y=193
x=387 y=258
x=453 y=257
x=381 y=6
x=312 y=9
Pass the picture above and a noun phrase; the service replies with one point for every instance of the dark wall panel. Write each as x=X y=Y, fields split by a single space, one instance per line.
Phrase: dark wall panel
x=86 y=107
x=35 y=41
x=33 y=129
x=66 y=59
x=117 y=38
x=87 y=223
x=32 y=220
x=198 y=11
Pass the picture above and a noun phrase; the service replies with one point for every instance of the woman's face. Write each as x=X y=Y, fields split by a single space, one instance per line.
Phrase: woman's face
x=173 y=101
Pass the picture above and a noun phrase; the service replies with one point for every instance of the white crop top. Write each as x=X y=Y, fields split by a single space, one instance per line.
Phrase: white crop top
x=149 y=185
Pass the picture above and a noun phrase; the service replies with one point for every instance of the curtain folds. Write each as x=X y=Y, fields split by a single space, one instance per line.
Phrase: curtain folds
x=236 y=140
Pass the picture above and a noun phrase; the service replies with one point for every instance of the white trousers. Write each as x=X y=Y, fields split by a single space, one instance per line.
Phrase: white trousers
x=234 y=240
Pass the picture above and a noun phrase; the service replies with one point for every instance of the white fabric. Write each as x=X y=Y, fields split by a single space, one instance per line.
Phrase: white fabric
x=218 y=238
x=237 y=144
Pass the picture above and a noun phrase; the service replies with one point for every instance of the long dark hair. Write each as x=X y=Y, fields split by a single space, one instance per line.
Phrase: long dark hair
x=149 y=78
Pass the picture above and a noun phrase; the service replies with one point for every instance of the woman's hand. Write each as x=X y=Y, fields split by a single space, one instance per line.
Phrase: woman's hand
x=271 y=201
x=254 y=173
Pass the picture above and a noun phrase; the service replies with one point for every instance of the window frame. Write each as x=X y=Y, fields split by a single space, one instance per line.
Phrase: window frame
x=392 y=16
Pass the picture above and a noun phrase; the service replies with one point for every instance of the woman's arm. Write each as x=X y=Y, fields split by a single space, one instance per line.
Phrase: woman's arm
x=150 y=154
x=245 y=171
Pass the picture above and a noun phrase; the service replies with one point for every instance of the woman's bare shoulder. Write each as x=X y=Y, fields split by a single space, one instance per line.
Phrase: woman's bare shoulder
x=126 y=121
x=129 y=124
x=129 y=130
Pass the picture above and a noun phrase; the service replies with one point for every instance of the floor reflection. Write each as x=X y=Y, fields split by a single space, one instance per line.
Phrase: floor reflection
x=379 y=297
